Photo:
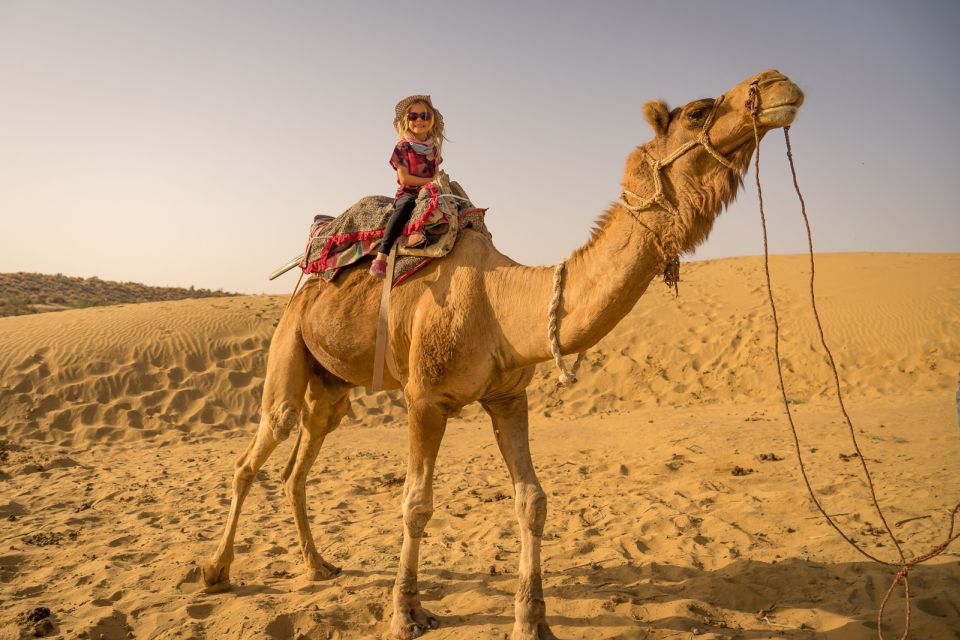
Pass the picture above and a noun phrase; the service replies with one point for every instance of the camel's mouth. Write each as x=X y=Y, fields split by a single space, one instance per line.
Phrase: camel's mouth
x=779 y=115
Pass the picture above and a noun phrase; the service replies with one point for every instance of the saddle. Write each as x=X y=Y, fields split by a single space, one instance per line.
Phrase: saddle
x=442 y=209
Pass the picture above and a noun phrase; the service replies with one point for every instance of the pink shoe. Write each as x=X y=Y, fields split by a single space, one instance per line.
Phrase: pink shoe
x=379 y=268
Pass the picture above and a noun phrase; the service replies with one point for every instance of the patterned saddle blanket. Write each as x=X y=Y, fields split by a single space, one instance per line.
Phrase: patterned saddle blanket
x=441 y=211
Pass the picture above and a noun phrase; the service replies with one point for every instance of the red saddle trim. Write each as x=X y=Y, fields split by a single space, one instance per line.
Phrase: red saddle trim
x=337 y=241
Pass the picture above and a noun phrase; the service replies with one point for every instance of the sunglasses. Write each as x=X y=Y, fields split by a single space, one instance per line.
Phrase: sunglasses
x=413 y=116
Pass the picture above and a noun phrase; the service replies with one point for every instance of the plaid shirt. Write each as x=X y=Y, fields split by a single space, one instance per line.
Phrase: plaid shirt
x=416 y=165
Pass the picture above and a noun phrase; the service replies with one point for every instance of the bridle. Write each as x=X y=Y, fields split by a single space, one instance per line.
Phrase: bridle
x=658 y=197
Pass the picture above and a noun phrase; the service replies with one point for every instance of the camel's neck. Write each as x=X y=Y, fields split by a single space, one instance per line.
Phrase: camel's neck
x=604 y=279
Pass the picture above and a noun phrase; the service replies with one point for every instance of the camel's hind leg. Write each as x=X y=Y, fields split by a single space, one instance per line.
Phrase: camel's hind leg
x=288 y=368
x=327 y=403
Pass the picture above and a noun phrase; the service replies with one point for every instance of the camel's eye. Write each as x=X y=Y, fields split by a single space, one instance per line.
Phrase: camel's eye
x=696 y=114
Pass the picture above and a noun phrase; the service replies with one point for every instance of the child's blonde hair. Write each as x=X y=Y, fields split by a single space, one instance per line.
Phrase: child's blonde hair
x=402 y=125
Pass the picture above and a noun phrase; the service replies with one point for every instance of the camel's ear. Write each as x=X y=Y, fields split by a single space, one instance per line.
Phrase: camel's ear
x=658 y=115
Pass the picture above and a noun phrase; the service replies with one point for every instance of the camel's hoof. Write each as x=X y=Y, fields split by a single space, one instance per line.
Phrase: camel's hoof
x=534 y=631
x=216 y=577
x=326 y=572
x=219 y=587
x=413 y=623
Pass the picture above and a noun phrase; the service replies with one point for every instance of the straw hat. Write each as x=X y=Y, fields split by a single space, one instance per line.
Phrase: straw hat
x=404 y=104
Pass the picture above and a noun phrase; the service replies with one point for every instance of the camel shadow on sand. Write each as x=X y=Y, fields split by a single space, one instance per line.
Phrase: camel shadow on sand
x=745 y=599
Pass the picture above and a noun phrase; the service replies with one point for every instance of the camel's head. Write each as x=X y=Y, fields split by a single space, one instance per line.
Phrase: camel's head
x=727 y=120
x=696 y=162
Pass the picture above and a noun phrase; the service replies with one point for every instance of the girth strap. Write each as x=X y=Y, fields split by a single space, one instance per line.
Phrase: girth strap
x=383 y=328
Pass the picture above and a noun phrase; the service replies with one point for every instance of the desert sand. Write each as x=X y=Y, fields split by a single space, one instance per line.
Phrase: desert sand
x=676 y=505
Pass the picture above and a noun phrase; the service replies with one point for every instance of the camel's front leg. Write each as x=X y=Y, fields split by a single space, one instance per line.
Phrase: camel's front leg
x=427 y=424
x=509 y=417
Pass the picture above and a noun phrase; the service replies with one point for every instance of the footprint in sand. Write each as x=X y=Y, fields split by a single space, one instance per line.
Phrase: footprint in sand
x=199 y=611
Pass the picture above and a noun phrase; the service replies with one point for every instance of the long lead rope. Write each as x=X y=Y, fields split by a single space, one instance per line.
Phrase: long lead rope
x=904 y=565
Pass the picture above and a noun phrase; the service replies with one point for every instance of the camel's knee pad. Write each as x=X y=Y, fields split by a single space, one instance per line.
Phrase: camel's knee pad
x=532 y=507
x=415 y=519
x=283 y=418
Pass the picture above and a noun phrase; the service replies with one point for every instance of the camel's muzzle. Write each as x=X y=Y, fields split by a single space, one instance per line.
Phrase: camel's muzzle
x=779 y=101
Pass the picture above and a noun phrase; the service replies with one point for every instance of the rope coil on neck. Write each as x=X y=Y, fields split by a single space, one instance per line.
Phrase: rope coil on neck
x=567 y=376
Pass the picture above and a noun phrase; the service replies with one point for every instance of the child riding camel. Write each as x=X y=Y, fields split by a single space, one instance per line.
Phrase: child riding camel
x=415 y=158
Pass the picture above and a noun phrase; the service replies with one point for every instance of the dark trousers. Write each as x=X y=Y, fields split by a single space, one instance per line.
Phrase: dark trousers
x=402 y=209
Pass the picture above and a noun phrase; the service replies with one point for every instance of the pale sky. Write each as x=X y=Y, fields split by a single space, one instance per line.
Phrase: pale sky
x=190 y=142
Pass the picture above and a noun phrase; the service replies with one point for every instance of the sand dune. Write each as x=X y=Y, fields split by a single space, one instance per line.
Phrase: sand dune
x=120 y=425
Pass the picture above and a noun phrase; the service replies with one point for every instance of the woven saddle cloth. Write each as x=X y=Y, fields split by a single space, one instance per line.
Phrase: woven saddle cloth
x=442 y=209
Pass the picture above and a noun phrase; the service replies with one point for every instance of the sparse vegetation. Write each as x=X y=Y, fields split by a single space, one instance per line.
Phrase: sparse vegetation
x=26 y=293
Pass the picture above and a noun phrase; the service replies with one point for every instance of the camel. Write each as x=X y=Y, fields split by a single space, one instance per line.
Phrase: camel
x=472 y=326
